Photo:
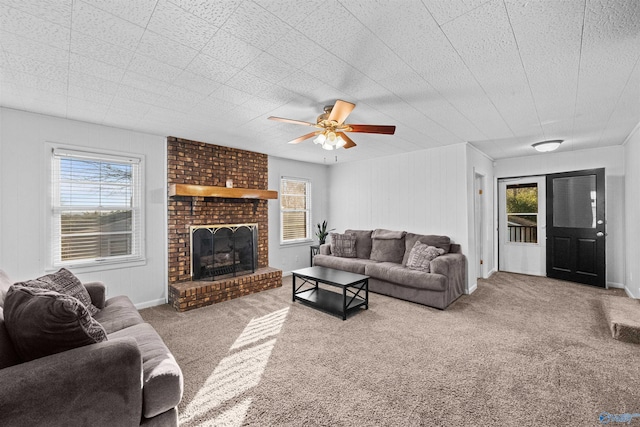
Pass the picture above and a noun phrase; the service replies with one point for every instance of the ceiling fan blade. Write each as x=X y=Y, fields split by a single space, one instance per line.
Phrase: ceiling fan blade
x=295 y=122
x=303 y=137
x=349 y=141
x=386 y=130
x=341 y=109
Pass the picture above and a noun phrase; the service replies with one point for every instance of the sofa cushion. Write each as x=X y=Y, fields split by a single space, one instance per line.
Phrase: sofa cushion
x=162 y=383
x=343 y=245
x=5 y=283
x=396 y=273
x=41 y=322
x=64 y=282
x=118 y=313
x=443 y=242
x=8 y=356
x=363 y=242
x=421 y=255
x=353 y=265
x=387 y=246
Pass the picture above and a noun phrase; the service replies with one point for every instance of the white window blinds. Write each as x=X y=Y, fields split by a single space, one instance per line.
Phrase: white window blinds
x=96 y=208
x=295 y=210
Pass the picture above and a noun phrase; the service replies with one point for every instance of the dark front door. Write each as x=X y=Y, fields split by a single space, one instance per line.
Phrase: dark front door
x=576 y=227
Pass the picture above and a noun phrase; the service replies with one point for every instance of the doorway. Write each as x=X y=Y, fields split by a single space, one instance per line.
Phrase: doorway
x=576 y=233
x=522 y=224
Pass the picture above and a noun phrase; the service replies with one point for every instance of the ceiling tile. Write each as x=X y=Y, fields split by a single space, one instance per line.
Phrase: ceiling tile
x=92 y=82
x=154 y=69
x=177 y=24
x=445 y=11
x=137 y=12
x=162 y=48
x=93 y=48
x=95 y=68
x=212 y=68
x=249 y=83
x=269 y=68
x=22 y=24
x=56 y=11
x=20 y=46
x=226 y=47
x=39 y=83
x=21 y=64
x=231 y=95
x=146 y=83
x=99 y=24
x=214 y=12
x=295 y=49
x=254 y=25
x=88 y=95
x=196 y=83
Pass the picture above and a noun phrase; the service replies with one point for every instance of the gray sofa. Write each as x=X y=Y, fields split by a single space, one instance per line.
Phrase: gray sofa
x=130 y=379
x=383 y=254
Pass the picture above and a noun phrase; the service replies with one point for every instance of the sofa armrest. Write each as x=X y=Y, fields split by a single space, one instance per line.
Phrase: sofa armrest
x=454 y=268
x=325 y=249
x=97 y=292
x=98 y=385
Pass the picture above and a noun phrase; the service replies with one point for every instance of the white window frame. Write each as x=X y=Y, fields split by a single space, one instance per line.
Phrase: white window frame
x=137 y=257
x=309 y=238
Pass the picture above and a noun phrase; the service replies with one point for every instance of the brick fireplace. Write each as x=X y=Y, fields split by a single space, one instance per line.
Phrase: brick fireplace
x=202 y=164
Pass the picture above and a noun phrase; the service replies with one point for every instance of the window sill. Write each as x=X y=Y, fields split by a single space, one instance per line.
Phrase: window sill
x=98 y=266
x=297 y=243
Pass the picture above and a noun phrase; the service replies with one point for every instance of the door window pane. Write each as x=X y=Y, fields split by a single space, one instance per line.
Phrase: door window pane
x=522 y=213
x=574 y=202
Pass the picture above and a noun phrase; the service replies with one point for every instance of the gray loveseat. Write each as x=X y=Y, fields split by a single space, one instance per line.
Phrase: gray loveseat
x=128 y=380
x=383 y=254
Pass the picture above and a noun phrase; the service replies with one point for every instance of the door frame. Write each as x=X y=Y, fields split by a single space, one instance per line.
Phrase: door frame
x=528 y=251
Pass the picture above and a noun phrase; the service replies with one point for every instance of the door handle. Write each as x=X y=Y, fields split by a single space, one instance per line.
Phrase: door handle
x=599 y=234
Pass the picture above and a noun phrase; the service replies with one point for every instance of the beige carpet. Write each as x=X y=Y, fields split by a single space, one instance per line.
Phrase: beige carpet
x=519 y=351
x=623 y=317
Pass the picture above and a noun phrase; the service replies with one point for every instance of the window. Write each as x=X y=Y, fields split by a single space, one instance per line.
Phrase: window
x=295 y=210
x=96 y=208
x=522 y=213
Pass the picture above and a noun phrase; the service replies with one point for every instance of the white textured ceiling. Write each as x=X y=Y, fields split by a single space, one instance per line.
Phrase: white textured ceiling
x=498 y=74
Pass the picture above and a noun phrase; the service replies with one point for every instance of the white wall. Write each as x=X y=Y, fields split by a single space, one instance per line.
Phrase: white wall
x=610 y=158
x=23 y=210
x=292 y=257
x=632 y=214
x=421 y=192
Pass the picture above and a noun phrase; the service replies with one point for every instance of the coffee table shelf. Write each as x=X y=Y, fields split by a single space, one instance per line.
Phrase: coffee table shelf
x=338 y=303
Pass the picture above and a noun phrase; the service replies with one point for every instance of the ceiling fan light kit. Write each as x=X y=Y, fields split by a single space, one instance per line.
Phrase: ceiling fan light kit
x=331 y=122
x=546 y=146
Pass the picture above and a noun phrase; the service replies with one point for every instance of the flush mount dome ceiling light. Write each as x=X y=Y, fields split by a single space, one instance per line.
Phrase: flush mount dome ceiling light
x=546 y=146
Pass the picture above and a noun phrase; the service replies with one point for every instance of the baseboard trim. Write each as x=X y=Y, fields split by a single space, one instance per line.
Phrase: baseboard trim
x=472 y=289
x=615 y=285
x=491 y=272
x=630 y=294
x=151 y=303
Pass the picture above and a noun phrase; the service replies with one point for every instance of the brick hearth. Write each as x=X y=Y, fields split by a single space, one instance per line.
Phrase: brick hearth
x=185 y=296
x=199 y=163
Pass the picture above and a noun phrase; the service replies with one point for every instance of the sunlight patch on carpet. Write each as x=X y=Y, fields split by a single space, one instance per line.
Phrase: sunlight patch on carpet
x=237 y=373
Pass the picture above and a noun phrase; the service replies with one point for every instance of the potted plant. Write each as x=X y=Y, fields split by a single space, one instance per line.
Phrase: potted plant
x=322 y=232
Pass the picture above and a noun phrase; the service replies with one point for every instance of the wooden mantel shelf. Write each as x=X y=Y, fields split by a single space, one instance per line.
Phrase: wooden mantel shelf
x=224 y=192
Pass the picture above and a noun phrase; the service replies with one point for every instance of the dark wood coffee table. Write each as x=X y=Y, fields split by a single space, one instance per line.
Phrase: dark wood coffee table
x=339 y=303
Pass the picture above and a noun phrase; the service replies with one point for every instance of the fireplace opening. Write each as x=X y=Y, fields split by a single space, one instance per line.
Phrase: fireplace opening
x=223 y=251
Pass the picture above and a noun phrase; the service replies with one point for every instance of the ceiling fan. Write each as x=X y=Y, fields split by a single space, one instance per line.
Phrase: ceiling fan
x=332 y=127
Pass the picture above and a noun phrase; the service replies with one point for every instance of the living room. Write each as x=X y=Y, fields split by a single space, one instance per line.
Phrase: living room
x=424 y=179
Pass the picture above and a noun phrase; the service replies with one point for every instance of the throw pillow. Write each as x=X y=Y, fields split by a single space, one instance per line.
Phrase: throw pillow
x=343 y=245
x=41 y=322
x=64 y=282
x=5 y=283
x=363 y=242
x=387 y=245
x=421 y=256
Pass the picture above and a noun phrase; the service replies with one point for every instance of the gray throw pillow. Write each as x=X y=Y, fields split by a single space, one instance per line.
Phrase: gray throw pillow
x=5 y=283
x=387 y=245
x=41 y=322
x=343 y=245
x=363 y=242
x=421 y=256
x=64 y=282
